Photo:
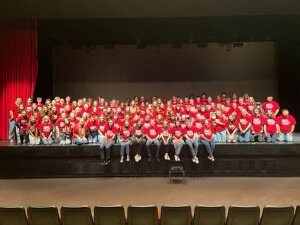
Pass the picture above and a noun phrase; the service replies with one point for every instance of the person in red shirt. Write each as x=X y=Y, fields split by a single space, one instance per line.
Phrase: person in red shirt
x=59 y=126
x=286 y=126
x=138 y=140
x=207 y=139
x=192 y=140
x=23 y=124
x=108 y=141
x=220 y=127
x=125 y=135
x=232 y=129
x=13 y=135
x=152 y=134
x=46 y=129
x=79 y=133
x=39 y=104
x=244 y=126
x=34 y=137
x=178 y=133
x=270 y=104
x=166 y=136
x=271 y=127
x=257 y=126
x=92 y=127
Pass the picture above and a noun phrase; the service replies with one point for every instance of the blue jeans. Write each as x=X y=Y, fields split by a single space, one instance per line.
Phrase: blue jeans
x=47 y=141
x=210 y=146
x=105 y=154
x=285 y=137
x=93 y=138
x=178 y=144
x=220 y=136
x=156 y=143
x=124 y=147
x=271 y=138
x=244 y=137
x=12 y=129
x=81 y=141
x=193 y=146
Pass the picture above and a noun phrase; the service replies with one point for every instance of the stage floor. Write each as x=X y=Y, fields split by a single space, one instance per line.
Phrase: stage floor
x=296 y=140
x=239 y=159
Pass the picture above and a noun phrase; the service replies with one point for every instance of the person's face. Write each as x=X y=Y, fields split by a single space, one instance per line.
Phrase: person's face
x=92 y=119
x=285 y=113
x=256 y=111
x=24 y=114
x=206 y=122
x=46 y=119
x=270 y=98
x=152 y=122
x=29 y=101
x=110 y=123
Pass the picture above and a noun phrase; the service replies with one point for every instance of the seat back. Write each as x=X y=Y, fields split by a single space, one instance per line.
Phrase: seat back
x=296 y=220
x=209 y=215
x=109 y=215
x=277 y=215
x=243 y=215
x=43 y=215
x=176 y=215
x=142 y=215
x=76 y=215
x=13 y=216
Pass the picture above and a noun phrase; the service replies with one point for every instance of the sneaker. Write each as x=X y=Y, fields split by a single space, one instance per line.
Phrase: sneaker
x=197 y=160
x=194 y=159
x=107 y=162
x=128 y=158
x=175 y=157
x=166 y=156
x=139 y=158
x=178 y=159
x=122 y=159
x=136 y=157
x=211 y=158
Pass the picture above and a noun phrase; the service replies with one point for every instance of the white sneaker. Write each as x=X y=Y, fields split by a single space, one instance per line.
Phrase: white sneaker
x=128 y=158
x=139 y=158
x=122 y=159
x=175 y=158
x=211 y=158
x=136 y=157
x=196 y=160
x=167 y=156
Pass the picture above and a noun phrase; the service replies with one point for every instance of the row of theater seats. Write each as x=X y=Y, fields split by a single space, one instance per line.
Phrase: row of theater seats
x=148 y=215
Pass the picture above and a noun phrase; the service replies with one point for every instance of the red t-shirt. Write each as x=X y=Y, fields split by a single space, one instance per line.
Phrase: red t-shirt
x=92 y=126
x=60 y=123
x=257 y=123
x=244 y=121
x=152 y=132
x=178 y=132
x=271 y=125
x=197 y=124
x=111 y=132
x=125 y=134
x=103 y=127
x=23 y=123
x=207 y=131
x=15 y=109
x=191 y=132
x=219 y=127
x=272 y=105
x=137 y=132
x=286 y=123
x=231 y=126
x=46 y=129
x=165 y=132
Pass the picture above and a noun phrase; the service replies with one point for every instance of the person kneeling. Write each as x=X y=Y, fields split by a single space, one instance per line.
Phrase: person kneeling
x=271 y=127
x=79 y=134
x=231 y=130
x=286 y=126
x=46 y=129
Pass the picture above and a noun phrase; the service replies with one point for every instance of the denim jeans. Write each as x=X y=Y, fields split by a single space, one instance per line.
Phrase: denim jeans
x=47 y=141
x=285 y=137
x=34 y=140
x=24 y=136
x=244 y=137
x=178 y=144
x=220 y=136
x=271 y=138
x=156 y=143
x=209 y=146
x=124 y=147
x=138 y=146
x=12 y=129
x=193 y=146
x=93 y=138
x=105 y=153
x=257 y=137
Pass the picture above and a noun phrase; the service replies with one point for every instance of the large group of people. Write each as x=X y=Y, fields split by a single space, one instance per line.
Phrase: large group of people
x=159 y=122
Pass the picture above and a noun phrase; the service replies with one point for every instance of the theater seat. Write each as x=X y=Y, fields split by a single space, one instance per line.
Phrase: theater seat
x=243 y=215
x=277 y=215
x=76 y=215
x=109 y=215
x=43 y=216
x=142 y=215
x=209 y=215
x=176 y=215
x=13 y=216
x=296 y=220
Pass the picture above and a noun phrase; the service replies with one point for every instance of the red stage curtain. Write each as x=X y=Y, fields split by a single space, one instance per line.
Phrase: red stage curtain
x=18 y=65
